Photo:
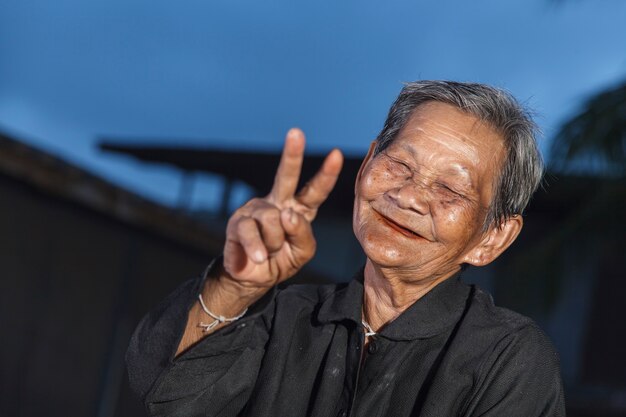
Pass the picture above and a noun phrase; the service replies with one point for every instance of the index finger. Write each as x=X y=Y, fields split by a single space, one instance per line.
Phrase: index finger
x=288 y=172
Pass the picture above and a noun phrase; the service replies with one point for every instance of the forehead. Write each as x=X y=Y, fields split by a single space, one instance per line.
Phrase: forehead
x=449 y=141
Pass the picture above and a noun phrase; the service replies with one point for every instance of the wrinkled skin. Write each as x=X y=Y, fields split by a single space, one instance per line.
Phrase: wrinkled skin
x=421 y=203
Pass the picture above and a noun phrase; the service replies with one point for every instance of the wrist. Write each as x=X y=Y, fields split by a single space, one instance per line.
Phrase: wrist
x=227 y=296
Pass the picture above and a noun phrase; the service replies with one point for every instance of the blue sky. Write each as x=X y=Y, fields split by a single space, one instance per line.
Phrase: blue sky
x=240 y=73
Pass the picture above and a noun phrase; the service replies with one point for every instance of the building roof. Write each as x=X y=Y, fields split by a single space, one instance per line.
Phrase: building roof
x=58 y=178
x=255 y=168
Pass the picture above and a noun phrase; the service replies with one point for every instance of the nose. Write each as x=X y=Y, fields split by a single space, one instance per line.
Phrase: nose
x=411 y=196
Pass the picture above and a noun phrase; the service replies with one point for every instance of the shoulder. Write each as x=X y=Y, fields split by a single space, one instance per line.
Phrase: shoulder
x=483 y=314
x=499 y=333
x=517 y=365
x=489 y=335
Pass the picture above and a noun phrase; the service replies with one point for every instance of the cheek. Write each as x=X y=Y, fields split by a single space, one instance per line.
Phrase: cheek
x=453 y=222
x=449 y=206
x=375 y=181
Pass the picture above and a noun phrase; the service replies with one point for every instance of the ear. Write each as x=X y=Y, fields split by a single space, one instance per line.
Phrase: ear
x=370 y=154
x=495 y=241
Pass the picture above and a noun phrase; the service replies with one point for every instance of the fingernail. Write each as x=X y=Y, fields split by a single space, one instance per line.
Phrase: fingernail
x=259 y=256
x=293 y=218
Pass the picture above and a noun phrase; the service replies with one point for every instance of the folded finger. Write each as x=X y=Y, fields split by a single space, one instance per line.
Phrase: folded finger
x=249 y=237
x=299 y=234
x=272 y=231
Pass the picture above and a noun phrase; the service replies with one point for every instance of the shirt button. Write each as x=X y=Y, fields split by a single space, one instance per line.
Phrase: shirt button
x=342 y=413
x=372 y=347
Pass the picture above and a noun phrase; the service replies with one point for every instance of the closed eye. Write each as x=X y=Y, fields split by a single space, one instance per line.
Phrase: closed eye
x=399 y=164
x=449 y=189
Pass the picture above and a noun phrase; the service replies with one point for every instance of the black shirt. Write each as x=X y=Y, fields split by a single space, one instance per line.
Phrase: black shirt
x=298 y=352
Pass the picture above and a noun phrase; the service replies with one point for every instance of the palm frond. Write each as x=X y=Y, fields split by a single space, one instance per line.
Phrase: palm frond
x=596 y=137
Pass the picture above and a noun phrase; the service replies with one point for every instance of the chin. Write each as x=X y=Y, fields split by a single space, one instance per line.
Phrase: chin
x=389 y=254
x=385 y=253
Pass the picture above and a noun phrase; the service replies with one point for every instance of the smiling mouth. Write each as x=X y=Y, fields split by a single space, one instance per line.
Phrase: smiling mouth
x=401 y=229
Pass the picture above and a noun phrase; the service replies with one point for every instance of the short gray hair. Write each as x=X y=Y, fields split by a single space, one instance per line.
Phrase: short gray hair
x=523 y=167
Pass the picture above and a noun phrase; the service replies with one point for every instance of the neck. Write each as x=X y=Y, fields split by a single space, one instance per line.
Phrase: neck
x=388 y=294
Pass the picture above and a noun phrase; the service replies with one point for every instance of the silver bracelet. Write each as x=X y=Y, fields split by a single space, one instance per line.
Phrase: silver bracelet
x=218 y=319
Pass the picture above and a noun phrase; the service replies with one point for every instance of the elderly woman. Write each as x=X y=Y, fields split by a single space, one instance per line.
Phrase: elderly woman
x=442 y=187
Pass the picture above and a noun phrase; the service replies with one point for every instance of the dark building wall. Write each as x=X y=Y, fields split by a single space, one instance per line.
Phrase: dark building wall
x=74 y=284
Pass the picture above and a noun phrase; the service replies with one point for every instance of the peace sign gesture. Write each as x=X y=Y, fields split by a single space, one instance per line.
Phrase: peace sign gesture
x=269 y=239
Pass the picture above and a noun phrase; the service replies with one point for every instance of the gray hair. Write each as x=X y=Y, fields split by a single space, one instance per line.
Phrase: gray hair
x=523 y=167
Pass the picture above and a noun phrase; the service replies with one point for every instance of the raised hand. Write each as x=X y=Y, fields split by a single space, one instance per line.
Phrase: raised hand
x=269 y=239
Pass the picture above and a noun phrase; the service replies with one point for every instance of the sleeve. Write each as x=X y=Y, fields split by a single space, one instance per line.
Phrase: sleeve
x=212 y=378
x=521 y=378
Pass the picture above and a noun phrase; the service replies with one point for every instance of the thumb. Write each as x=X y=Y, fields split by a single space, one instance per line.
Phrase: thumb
x=299 y=235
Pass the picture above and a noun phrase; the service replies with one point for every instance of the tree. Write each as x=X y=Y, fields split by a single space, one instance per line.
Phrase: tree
x=588 y=150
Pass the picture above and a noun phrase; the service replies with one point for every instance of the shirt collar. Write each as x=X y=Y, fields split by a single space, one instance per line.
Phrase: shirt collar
x=432 y=314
